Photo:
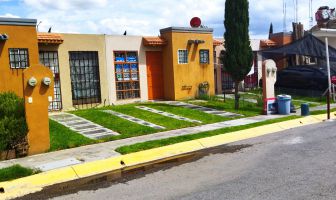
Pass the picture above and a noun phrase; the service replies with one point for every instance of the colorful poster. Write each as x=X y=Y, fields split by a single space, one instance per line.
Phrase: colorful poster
x=126 y=76
x=134 y=76
x=134 y=67
x=126 y=68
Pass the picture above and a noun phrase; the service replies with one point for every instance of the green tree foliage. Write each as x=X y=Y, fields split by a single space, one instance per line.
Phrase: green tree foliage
x=13 y=126
x=238 y=55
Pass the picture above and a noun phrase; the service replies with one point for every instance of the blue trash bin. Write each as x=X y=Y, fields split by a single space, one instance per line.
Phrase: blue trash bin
x=284 y=104
x=304 y=109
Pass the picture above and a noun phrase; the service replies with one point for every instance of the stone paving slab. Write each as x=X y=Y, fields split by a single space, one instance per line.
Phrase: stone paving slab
x=58 y=164
x=167 y=114
x=201 y=108
x=82 y=126
x=133 y=119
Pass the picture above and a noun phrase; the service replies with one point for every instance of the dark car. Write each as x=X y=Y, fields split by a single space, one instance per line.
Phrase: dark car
x=304 y=77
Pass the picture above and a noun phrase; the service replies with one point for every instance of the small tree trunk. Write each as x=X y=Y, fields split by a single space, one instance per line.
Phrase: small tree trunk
x=237 y=95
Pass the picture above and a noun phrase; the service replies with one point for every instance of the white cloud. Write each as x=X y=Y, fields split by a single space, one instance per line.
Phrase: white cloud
x=147 y=17
x=45 y=5
x=9 y=15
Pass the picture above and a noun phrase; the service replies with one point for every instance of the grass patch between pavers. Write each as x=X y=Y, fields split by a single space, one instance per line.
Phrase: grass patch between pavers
x=15 y=172
x=124 y=127
x=245 y=108
x=205 y=118
x=173 y=140
x=129 y=129
x=61 y=137
x=167 y=122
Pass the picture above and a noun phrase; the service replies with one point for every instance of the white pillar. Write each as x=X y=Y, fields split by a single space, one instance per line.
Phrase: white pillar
x=328 y=63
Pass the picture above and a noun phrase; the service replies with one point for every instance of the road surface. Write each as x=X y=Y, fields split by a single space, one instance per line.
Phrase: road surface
x=295 y=164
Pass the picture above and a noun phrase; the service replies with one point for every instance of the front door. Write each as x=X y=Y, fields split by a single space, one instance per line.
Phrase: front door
x=154 y=75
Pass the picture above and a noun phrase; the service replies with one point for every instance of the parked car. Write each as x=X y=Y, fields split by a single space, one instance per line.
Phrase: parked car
x=304 y=77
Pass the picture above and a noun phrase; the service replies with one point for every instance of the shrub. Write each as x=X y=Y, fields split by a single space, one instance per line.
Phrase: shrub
x=13 y=126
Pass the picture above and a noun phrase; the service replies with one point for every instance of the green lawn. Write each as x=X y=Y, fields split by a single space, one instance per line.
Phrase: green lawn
x=246 y=108
x=186 y=112
x=122 y=126
x=173 y=140
x=15 y=172
x=62 y=137
x=130 y=129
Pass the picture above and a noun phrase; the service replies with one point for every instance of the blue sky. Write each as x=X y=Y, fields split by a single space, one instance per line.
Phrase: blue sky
x=146 y=17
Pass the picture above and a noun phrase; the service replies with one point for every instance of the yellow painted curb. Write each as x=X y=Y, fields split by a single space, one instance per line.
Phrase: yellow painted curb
x=36 y=183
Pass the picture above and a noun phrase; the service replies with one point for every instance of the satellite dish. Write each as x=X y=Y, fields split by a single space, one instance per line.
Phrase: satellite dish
x=195 y=22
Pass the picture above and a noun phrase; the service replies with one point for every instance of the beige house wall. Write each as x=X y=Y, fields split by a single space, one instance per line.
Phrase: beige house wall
x=126 y=43
x=81 y=42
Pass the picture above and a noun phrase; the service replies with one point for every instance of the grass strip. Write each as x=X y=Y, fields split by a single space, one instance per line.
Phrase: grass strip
x=15 y=172
x=62 y=137
x=318 y=112
x=173 y=140
x=245 y=108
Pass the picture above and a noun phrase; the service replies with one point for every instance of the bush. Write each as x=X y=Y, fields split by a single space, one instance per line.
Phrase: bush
x=13 y=126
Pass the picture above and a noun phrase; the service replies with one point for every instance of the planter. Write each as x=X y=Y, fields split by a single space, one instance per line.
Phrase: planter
x=7 y=155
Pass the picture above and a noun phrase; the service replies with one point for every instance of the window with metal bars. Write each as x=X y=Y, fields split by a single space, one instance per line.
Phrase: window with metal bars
x=50 y=59
x=204 y=56
x=182 y=56
x=85 y=79
x=18 y=58
x=127 y=74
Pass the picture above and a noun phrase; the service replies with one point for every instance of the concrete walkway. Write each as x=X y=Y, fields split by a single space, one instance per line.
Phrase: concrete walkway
x=105 y=150
x=82 y=126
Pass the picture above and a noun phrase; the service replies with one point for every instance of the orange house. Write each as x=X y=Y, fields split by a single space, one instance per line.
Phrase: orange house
x=18 y=50
x=21 y=73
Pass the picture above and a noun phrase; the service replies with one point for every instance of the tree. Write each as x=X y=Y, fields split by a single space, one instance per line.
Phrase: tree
x=238 y=56
x=270 y=32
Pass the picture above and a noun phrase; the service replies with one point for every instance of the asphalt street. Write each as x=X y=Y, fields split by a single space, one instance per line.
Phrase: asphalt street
x=295 y=164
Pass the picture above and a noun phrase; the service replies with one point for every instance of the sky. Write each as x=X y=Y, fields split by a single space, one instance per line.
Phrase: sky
x=147 y=17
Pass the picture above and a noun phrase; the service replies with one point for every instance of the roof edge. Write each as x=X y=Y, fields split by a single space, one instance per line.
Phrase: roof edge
x=186 y=30
x=17 y=21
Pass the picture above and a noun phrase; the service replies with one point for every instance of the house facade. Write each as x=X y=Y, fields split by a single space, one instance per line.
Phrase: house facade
x=92 y=70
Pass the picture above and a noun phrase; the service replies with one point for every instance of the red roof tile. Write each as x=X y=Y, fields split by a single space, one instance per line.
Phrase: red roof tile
x=217 y=42
x=154 y=41
x=268 y=43
x=49 y=38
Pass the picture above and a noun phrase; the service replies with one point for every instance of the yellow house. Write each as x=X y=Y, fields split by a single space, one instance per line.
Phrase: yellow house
x=188 y=62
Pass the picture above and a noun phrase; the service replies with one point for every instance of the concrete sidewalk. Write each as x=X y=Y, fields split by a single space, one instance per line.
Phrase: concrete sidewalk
x=58 y=159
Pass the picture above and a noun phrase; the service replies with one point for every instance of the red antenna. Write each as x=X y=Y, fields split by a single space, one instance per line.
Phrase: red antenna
x=195 y=22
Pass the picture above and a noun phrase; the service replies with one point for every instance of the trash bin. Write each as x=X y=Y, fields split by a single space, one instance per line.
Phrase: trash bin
x=304 y=109
x=284 y=102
